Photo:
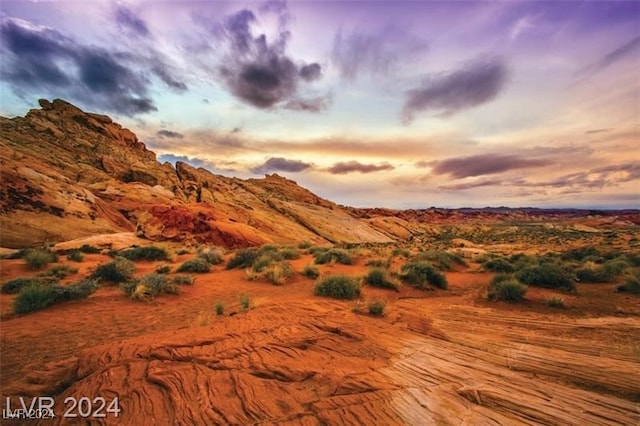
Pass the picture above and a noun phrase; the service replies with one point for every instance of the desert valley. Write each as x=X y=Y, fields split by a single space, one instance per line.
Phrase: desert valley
x=194 y=298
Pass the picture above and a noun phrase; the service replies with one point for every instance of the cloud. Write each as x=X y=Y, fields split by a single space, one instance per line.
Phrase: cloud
x=484 y=164
x=169 y=134
x=475 y=84
x=375 y=54
x=259 y=72
x=471 y=185
x=311 y=104
x=38 y=58
x=128 y=20
x=590 y=132
x=279 y=164
x=596 y=178
x=615 y=55
x=342 y=168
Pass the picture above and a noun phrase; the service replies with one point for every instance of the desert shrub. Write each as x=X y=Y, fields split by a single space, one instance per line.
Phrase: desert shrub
x=183 y=279
x=89 y=249
x=440 y=259
x=377 y=263
x=614 y=267
x=421 y=273
x=631 y=283
x=555 y=301
x=60 y=271
x=289 y=253
x=632 y=259
x=311 y=271
x=212 y=256
x=33 y=297
x=163 y=269
x=243 y=258
x=39 y=258
x=376 y=308
x=14 y=286
x=401 y=253
x=196 y=264
x=580 y=254
x=39 y=295
x=18 y=254
x=75 y=256
x=182 y=251
x=145 y=253
x=548 y=275
x=149 y=286
x=333 y=255
x=377 y=277
x=219 y=307
x=338 y=287
x=313 y=250
x=498 y=264
x=506 y=287
x=117 y=271
x=268 y=248
x=304 y=245
x=245 y=302
x=278 y=272
x=261 y=263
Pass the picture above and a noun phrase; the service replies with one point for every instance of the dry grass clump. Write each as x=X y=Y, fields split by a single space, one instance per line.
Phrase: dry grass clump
x=338 y=287
x=117 y=271
x=506 y=287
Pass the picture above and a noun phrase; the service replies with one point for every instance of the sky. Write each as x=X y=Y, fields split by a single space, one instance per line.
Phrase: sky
x=400 y=104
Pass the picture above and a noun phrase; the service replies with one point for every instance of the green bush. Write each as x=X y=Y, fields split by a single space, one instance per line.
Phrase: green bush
x=245 y=302
x=441 y=259
x=243 y=258
x=196 y=264
x=549 y=275
x=504 y=287
x=377 y=277
x=289 y=253
x=183 y=280
x=261 y=263
x=89 y=249
x=311 y=271
x=117 y=271
x=14 y=286
x=376 y=308
x=419 y=274
x=219 y=307
x=145 y=253
x=60 y=272
x=592 y=275
x=182 y=251
x=377 y=263
x=75 y=256
x=580 y=254
x=338 y=287
x=334 y=255
x=498 y=264
x=614 y=267
x=39 y=295
x=401 y=253
x=39 y=258
x=304 y=245
x=555 y=301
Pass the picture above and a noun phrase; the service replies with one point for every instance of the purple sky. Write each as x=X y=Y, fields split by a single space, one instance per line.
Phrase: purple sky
x=395 y=104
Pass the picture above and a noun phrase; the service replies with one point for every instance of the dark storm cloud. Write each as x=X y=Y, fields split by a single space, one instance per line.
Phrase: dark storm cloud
x=355 y=166
x=127 y=19
x=279 y=164
x=485 y=164
x=258 y=71
x=475 y=84
x=356 y=53
x=37 y=59
x=169 y=134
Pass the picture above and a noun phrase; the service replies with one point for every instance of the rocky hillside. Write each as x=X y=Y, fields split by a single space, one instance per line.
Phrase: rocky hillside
x=68 y=174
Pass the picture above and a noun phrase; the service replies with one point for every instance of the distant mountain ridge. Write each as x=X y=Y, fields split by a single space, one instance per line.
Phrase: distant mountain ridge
x=68 y=174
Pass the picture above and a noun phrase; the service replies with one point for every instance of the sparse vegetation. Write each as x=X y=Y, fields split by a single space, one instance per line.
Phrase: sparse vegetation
x=75 y=256
x=213 y=256
x=506 y=287
x=219 y=307
x=311 y=271
x=183 y=279
x=14 y=286
x=376 y=307
x=183 y=251
x=196 y=264
x=377 y=263
x=555 y=301
x=60 y=271
x=338 y=287
x=278 y=272
x=548 y=275
x=498 y=264
x=631 y=284
x=334 y=255
x=117 y=271
x=378 y=277
x=304 y=245
x=144 y=253
x=89 y=249
x=245 y=302
x=243 y=258
x=163 y=269
x=442 y=260
x=289 y=253
x=148 y=287
x=39 y=258
x=420 y=274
